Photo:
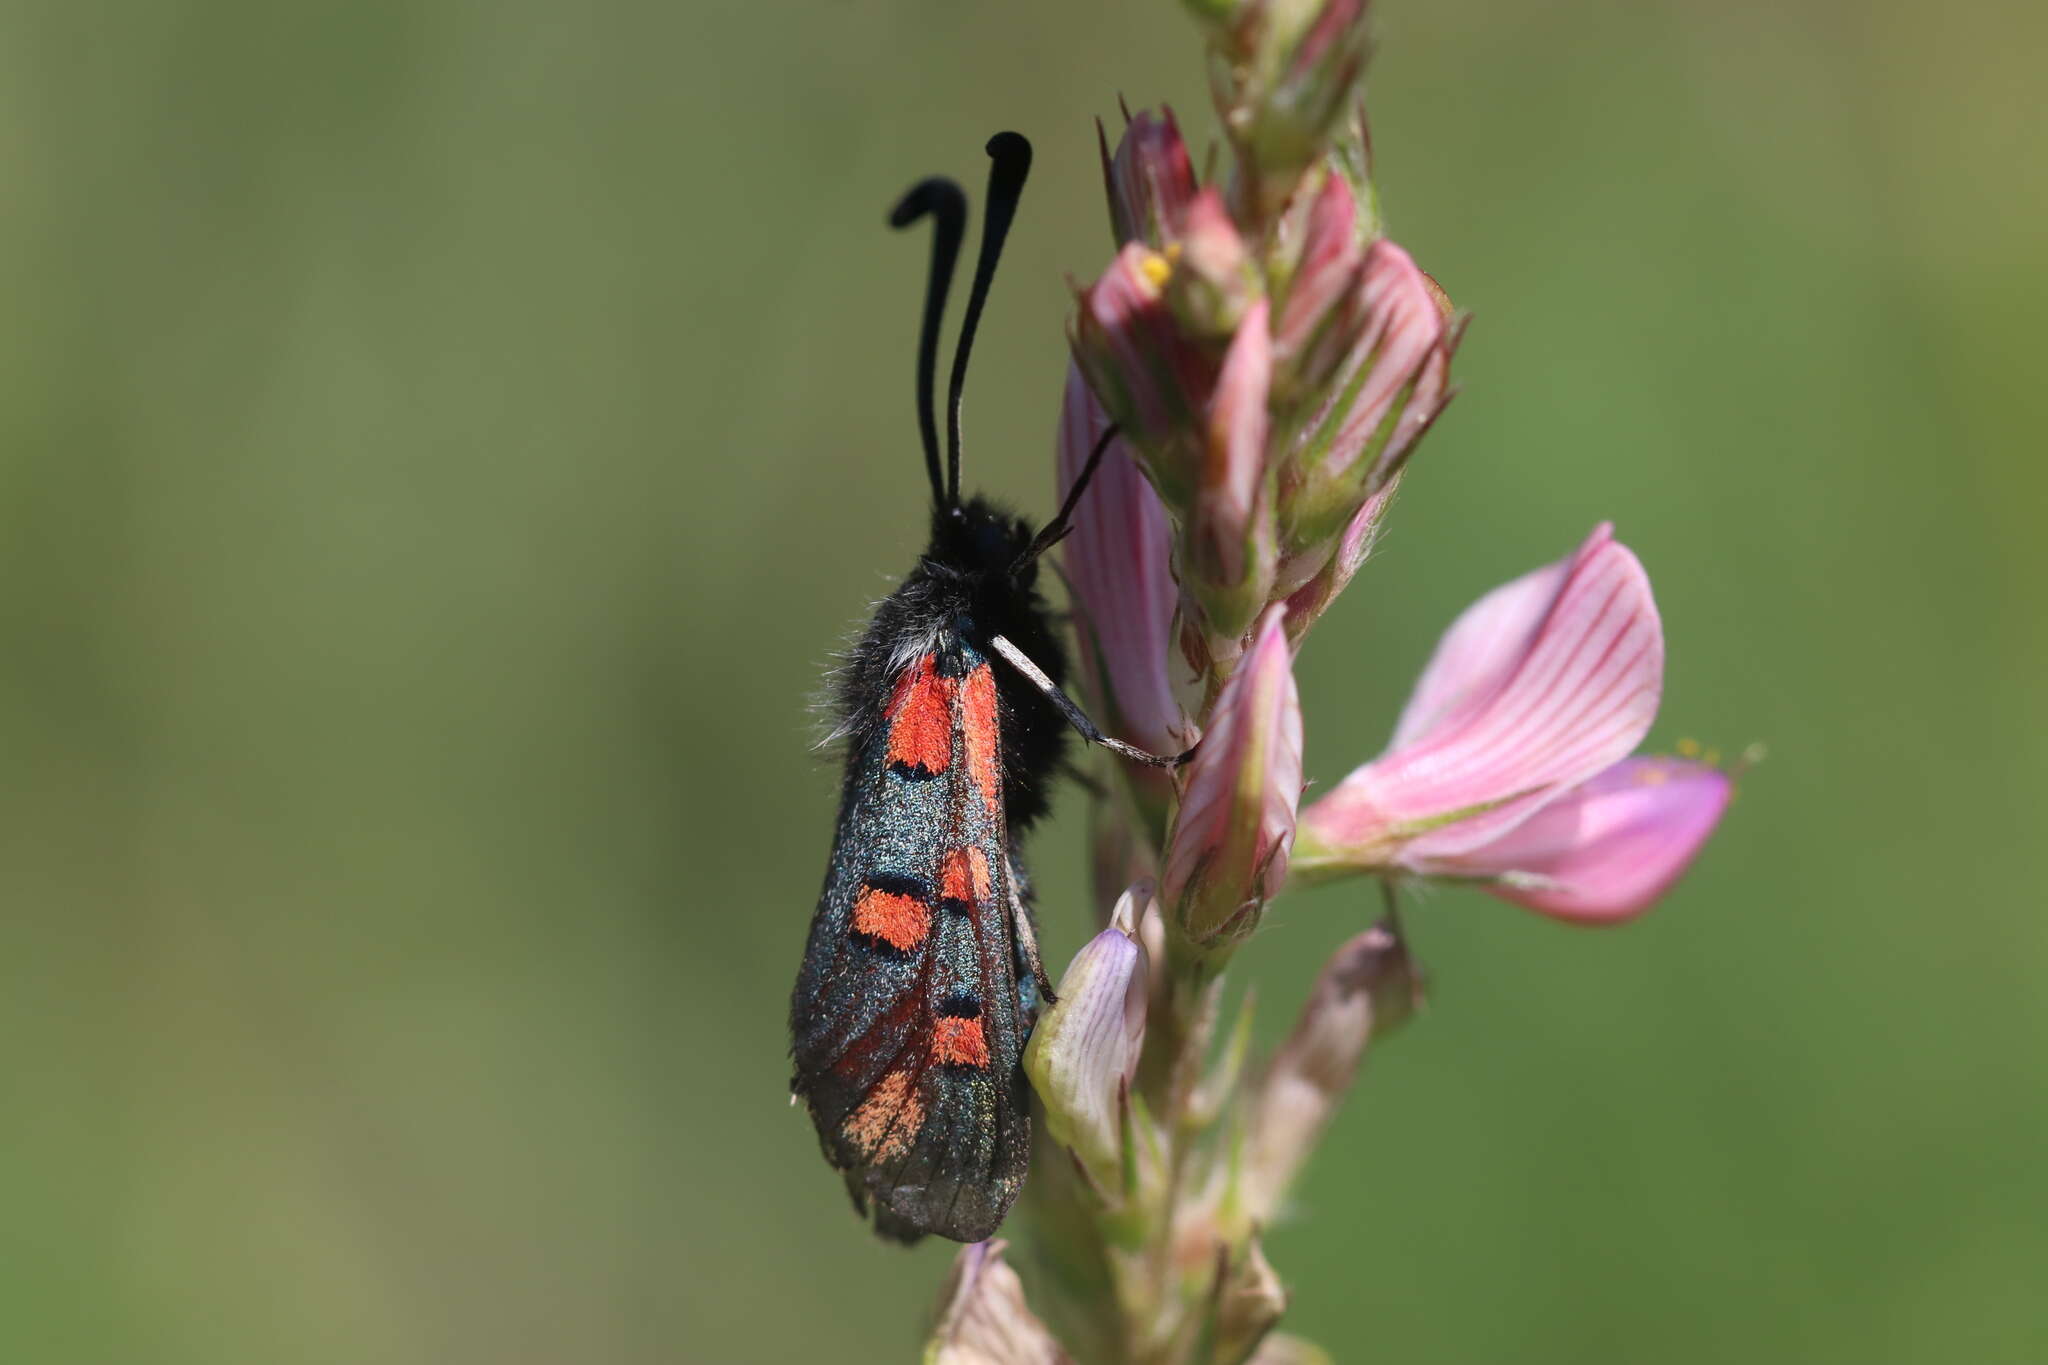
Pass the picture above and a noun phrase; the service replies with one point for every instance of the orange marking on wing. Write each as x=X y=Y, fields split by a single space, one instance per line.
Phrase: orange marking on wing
x=964 y=877
x=959 y=1041
x=898 y=920
x=921 y=721
x=886 y=1122
x=984 y=734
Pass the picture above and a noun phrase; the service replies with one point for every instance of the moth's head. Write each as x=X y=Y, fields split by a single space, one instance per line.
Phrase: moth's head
x=983 y=543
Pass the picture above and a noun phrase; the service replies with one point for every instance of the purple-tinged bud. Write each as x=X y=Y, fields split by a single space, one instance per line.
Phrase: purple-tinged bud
x=1150 y=181
x=1150 y=377
x=1227 y=853
x=1118 y=562
x=1229 y=552
x=1085 y=1048
x=1391 y=386
x=1213 y=280
x=1540 y=685
x=983 y=1319
x=1369 y=987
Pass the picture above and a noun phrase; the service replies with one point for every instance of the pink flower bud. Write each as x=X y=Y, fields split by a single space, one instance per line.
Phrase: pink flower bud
x=1285 y=77
x=1311 y=339
x=1369 y=987
x=1227 y=853
x=1119 y=562
x=1086 y=1045
x=1152 y=379
x=1150 y=181
x=983 y=1319
x=1539 y=686
x=1213 y=281
x=1229 y=550
x=1390 y=385
x=1608 y=848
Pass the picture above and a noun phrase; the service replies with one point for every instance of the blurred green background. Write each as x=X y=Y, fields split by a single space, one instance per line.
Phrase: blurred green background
x=442 y=441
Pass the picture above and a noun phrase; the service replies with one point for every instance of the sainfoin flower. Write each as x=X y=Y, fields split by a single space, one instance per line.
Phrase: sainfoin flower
x=1532 y=698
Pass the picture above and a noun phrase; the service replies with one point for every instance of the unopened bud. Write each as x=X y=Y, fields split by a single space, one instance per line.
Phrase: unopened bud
x=1227 y=853
x=983 y=1319
x=1150 y=181
x=1086 y=1045
x=1231 y=555
x=1369 y=988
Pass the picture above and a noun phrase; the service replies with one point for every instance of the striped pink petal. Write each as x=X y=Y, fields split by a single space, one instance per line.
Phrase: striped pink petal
x=1118 y=561
x=1607 y=849
x=1512 y=717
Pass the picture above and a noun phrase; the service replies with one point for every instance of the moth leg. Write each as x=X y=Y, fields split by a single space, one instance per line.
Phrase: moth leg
x=1076 y=717
x=1025 y=932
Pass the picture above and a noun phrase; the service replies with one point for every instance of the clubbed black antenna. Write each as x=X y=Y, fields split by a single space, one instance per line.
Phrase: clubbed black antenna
x=1011 y=154
x=944 y=202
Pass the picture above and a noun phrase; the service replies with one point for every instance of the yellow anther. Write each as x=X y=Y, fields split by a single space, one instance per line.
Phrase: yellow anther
x=1156 y=269
x=1713 y=758
x=1688 y=748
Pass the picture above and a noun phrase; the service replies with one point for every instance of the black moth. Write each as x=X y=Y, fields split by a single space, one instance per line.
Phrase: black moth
x=921 y=979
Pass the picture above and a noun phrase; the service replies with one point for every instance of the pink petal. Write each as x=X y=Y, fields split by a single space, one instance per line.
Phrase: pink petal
x=1479 y=651
x=1118 y=562
x=1607 y=849
x=1572 y=696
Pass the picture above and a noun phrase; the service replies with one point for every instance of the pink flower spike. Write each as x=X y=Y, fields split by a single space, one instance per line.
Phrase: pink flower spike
x=1538 y=687
x=1118 y=561
x=1227 y=853
x=1608 y=849
x=1150 y=181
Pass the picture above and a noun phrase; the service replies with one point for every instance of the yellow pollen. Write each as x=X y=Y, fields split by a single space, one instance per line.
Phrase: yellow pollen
x=1157 y=269
x=1688 y=748
x=1713 y=758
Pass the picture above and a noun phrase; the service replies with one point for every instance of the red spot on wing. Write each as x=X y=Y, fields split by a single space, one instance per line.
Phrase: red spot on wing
x=898 y=920
x=964 y=877
x=979 y=718
x=921 y=721
x=887 y=1120
x=959 y=1041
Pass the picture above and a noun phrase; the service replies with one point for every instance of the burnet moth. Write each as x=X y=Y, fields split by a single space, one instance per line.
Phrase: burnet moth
x=921 y=979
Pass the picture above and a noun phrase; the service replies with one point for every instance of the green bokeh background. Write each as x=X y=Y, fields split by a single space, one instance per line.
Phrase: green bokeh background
x=439 y=443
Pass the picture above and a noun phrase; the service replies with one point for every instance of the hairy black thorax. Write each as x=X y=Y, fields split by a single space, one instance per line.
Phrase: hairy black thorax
x=967 y=587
